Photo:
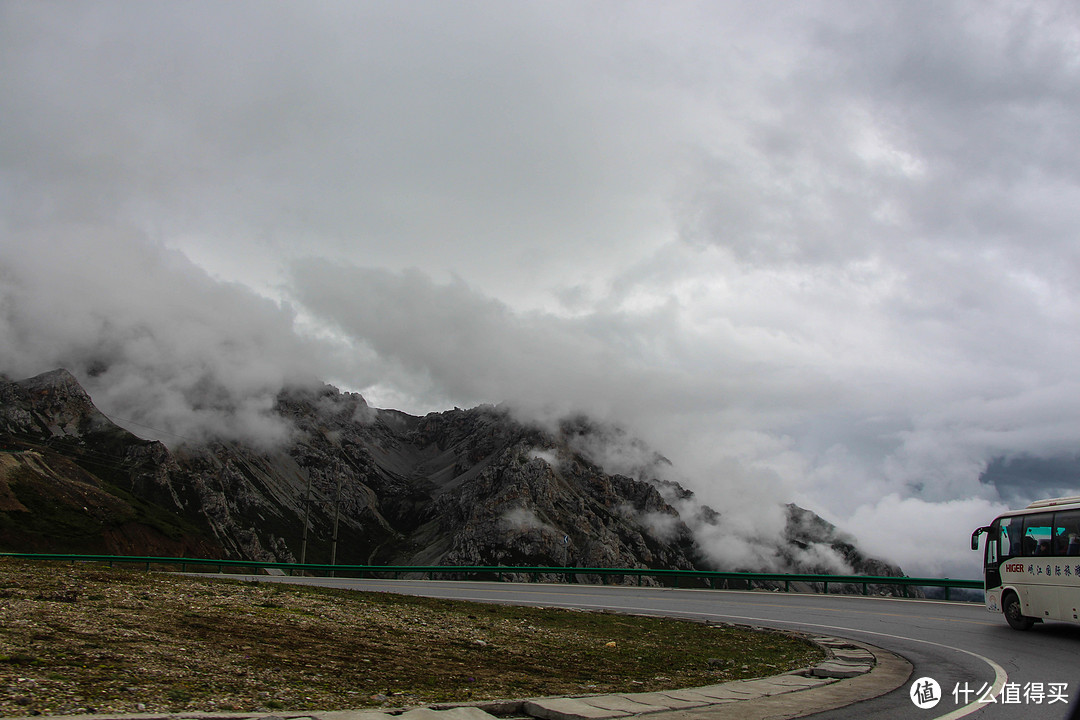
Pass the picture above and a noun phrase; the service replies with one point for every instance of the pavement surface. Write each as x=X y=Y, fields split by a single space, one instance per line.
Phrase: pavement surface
x=852 y=672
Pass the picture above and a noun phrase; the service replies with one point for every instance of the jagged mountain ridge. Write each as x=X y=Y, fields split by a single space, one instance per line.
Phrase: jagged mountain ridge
x=461 y=487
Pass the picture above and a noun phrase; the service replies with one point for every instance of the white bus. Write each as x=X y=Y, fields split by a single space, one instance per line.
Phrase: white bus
x=1031 y=562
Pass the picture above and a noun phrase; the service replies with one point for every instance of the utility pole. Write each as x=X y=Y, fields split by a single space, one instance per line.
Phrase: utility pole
x=307 y=519
x=337 y=516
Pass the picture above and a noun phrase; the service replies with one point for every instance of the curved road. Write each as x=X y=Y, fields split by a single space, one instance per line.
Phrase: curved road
x=960 y=645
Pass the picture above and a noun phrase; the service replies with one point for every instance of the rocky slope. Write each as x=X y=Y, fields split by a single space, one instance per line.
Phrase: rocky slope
x=462 y=487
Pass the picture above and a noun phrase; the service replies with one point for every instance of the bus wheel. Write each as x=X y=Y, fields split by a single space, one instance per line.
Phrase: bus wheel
x=1016 y=619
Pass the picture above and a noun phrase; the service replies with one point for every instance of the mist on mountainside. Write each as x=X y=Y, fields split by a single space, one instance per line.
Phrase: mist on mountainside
x=191 y=374
x=461 y=488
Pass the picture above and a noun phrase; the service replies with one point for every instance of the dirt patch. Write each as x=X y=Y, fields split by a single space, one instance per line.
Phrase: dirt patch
x=87 y=639
x=8 y=502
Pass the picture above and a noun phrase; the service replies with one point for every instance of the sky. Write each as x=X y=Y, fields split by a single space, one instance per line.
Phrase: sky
x=820 y=252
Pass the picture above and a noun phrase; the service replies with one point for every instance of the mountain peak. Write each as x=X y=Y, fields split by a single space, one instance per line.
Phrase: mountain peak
x=51 y=404
x=58 y=379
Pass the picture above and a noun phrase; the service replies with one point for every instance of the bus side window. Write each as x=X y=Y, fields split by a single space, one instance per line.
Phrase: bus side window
x=1037 y=530
x=1067 y=533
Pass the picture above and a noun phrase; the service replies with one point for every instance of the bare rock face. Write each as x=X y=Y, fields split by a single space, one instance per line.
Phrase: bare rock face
x=521 y=509
x=53 y=404
x=462 y=487
x=76 y=482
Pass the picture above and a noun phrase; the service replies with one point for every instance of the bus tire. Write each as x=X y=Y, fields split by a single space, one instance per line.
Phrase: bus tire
x=1010 y=606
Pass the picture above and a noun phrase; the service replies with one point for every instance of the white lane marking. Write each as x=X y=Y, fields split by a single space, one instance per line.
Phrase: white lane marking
x=1000 y=676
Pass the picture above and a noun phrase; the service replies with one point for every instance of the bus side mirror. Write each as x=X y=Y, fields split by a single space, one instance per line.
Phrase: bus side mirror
x=975 y=536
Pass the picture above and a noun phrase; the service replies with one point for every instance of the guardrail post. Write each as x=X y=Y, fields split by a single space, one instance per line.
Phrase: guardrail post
x=864 y=590
x=826 y=584
x=787 y=586
x=947 y=588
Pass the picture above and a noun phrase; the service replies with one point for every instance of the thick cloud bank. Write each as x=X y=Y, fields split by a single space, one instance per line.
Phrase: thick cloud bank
x=165 y=349
x=812 y=252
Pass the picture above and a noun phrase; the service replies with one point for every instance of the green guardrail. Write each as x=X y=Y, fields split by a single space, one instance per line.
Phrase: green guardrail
x=570 y=574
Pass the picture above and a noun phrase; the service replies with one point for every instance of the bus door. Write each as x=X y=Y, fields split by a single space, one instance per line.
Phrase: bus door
x=991 y=563
x=991 y=559
x=1004 y=564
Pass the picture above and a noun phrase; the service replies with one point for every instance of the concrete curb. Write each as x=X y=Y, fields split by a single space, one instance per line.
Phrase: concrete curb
x=889 y=672
x=852 y=672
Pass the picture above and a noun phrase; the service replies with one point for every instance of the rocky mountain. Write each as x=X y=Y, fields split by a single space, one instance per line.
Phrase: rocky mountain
x=461 y=487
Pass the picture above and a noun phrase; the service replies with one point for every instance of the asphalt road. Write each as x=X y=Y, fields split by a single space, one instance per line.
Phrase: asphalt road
x=960 y=645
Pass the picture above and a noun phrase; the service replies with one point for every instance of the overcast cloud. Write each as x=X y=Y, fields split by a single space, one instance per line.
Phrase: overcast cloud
x=812 y=252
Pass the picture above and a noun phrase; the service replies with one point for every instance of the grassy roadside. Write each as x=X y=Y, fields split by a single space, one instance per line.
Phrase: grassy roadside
x=87 y=639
